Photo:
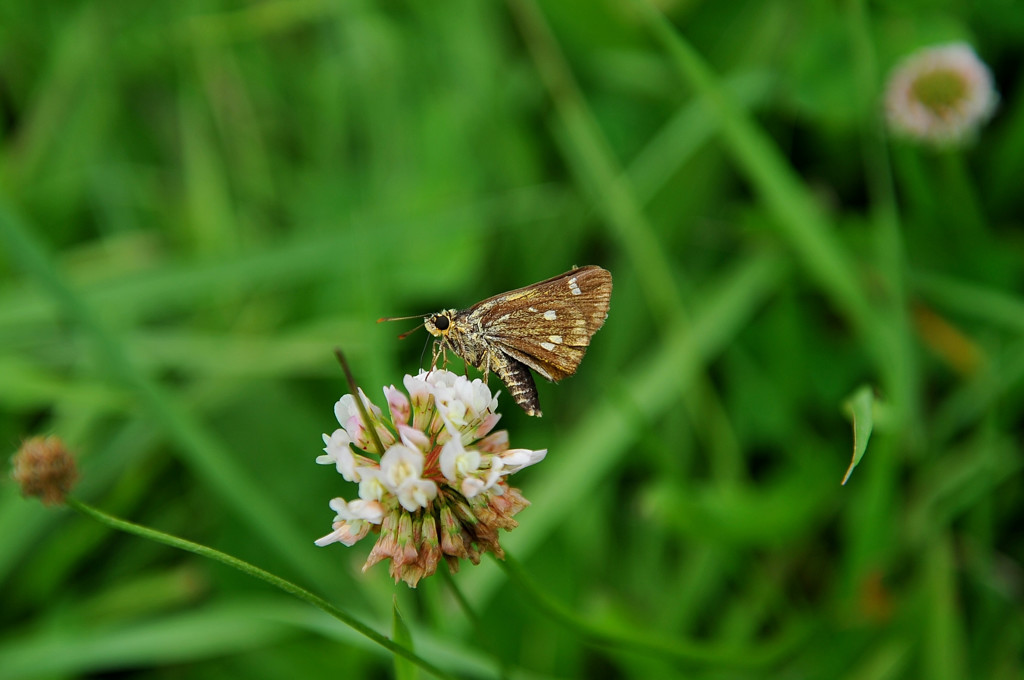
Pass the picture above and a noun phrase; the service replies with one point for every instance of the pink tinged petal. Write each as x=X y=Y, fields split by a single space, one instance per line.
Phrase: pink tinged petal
x=362 y=439
x=347 y=413
x=399 y=464
x=385 y=436
x=347 y=532
x=494 y=443
x=515 y=460
x=398 y=404
x=471 y=487
x=413 y=438
x=348 y=527
x=346 y=408
x=487 y=424
x=358 y=433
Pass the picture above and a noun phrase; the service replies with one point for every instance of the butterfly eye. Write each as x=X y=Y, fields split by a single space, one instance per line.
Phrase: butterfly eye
x=440 y=322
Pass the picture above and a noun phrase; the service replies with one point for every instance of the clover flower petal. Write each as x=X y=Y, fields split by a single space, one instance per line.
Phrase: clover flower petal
x=340 y=455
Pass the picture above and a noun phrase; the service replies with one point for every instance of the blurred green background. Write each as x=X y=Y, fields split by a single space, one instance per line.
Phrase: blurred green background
x=200 y=199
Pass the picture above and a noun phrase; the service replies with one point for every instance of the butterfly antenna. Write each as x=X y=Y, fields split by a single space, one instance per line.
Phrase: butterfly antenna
x=409 y=332
x=406 y=334
x=400 y=318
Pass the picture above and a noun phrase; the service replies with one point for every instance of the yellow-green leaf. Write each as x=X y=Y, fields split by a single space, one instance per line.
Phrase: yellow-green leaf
x=859 y=407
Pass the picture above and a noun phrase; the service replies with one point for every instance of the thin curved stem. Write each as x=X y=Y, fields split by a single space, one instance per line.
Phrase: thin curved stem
x=261 y=574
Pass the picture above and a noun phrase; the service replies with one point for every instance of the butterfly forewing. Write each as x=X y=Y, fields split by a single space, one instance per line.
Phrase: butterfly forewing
x=548 y=325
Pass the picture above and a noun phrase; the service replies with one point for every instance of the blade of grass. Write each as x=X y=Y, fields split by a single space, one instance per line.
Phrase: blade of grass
x=590 y=155
x=796 y=215
x=972 y=300
x=688 y=130
x=598 y=171
x=598 y=443
x=943 y=654
x=904 y=381
x=198 y=448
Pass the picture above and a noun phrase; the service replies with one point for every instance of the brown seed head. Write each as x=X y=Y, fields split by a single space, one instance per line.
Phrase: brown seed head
x=44 y=467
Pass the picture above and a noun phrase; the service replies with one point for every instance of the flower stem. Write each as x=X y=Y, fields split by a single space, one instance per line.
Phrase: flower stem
x=261 y=574
x=363 y=413
x=648 y=644
x=482 y=637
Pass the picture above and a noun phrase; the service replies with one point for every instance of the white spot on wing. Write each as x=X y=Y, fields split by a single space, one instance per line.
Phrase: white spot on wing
x=574 y=287
x=531 y=309
x=547 y=345
x=550 y=315
x=557 y=339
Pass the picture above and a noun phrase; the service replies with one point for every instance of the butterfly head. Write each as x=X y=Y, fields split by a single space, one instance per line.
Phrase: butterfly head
x=439 y=324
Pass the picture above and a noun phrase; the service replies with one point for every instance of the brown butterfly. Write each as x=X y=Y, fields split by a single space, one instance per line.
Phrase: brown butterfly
x=546 y=327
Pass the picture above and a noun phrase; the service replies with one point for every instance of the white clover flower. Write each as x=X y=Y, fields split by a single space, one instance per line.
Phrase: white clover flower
x=415 y=493
x=399 y=464
x=515 y=460
x=456 y=461
x=371 y=485
x=339 y=454
x=352 y=522
x=438 y=488
x=940 y=95
x=347 y=412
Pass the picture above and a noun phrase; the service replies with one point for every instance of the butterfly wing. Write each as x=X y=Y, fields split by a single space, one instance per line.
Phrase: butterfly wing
x=548 y=325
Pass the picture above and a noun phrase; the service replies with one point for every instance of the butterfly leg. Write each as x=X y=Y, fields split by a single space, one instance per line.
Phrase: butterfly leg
x=439 y=353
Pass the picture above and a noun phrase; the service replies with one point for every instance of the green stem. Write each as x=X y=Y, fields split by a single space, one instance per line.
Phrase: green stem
x=482 y=637
x=261 y=574
x=363 y=413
